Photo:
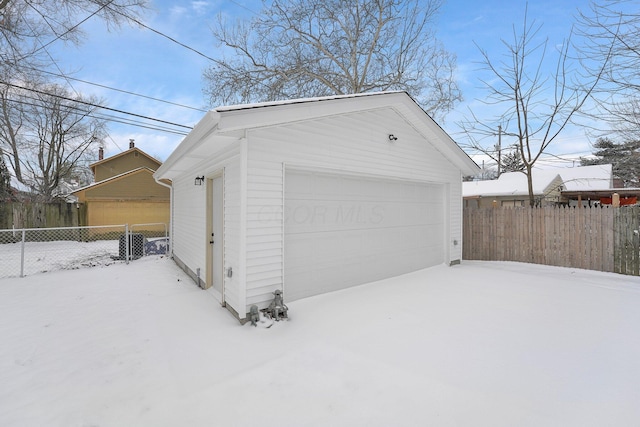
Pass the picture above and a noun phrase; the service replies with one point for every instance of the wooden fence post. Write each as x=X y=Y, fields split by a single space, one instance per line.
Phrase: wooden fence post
x=615 y=200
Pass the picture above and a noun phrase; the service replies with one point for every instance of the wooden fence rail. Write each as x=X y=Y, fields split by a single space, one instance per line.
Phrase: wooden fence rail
x=603 y=239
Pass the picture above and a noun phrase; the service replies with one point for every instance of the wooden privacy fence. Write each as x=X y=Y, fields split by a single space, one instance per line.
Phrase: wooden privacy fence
x=38 y=215
x=599 y=238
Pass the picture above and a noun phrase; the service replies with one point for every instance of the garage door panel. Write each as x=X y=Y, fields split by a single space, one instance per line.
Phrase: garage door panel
x=380 y=265
x=326 y=244
x=405 y=214
x=333 y=246
x=300 y=187
x=324 y=247
x=298 y=248
x=305 y=216
x=342 y=231
x=322 y=279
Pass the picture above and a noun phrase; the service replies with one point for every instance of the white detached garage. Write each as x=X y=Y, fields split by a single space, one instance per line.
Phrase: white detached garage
x=313 y=195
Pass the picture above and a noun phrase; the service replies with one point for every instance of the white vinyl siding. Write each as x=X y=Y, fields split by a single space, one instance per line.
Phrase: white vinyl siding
x=454 y=218
x=357 y=144
x=264 y=229
x=231 y=255
x=189 y=222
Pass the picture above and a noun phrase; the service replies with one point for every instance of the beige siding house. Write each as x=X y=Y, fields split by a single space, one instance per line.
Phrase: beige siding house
x=314 y=195
x=125 y=191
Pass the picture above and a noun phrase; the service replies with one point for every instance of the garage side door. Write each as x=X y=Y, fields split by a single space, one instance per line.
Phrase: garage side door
x=342 y=231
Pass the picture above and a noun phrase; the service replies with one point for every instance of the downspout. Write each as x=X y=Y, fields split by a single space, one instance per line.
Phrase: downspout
x=170 y=187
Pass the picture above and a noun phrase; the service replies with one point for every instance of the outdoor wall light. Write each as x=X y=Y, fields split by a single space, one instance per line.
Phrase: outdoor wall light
x=199 y=180
x=392 y=137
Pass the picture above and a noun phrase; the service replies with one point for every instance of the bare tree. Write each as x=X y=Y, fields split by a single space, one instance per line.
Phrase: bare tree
x=534 y=106
x=45 y=135
x=44 y=130
x=28 y=27
x=611 y=28
x=299 y=48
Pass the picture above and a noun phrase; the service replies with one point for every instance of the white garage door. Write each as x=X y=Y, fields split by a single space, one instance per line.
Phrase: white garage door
x=343 y=231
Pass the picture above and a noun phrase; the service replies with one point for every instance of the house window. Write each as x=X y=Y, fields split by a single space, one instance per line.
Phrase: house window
x=471 y=203
x=512 y=203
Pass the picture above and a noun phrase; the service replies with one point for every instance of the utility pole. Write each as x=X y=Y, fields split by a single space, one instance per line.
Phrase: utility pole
x=499 y=149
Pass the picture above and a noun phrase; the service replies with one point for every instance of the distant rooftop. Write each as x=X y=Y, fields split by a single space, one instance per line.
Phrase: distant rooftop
x=583 y=178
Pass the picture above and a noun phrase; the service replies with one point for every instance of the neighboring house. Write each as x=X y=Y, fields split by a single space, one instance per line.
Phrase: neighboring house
x=587 y=178
x=125 y=191
x=65 y=191
x=511 y=190
x=611 y=196
x=313 y=195
x=594 y=185
x=550 y=187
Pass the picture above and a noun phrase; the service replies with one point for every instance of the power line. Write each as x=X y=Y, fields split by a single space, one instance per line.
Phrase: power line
x=96 y=105
x=114 y=142
x=110 y=118
x=116 y=89
x=112 y=88
x=160 y=33
x=105 y=117
x=44 y=46
x=59 y=36
x=51 y=57
x=243 y=6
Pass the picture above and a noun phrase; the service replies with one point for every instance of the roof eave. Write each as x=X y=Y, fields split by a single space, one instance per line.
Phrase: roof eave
x=206 y=126
x=235 y=120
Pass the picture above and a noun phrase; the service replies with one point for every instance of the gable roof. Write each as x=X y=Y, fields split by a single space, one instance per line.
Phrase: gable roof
x=114 y=178
x=124 y=153
x=586 y=178
x=227 y=125
x=582 y=178
x=513 y=184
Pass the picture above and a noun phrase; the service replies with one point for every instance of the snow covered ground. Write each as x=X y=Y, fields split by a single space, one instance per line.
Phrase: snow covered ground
x=479 y=344
x=43 y=257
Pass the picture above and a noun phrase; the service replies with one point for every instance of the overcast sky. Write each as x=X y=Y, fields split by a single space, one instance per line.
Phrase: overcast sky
x=137 y=60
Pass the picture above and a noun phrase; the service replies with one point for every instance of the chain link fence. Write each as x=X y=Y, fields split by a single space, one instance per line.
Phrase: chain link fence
x=153 y=236
x=37 y=250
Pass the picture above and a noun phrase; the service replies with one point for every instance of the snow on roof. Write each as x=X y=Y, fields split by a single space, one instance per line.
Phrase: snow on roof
x=598 y=177
x=584 y=178
x=511 y=184
x=299 y=101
